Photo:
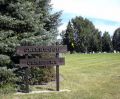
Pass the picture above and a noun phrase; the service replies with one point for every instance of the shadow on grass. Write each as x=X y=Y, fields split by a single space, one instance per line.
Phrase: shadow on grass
x=43 y=88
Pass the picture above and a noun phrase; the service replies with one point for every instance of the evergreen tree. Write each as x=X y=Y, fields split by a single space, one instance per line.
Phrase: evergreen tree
x=95 y=41
x=106 y=42
x=69 y=37
x=82 y=33
x=116 y=40
x=25 y=22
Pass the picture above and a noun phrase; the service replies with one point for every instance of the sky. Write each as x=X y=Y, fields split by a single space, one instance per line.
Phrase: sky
x=105 y=14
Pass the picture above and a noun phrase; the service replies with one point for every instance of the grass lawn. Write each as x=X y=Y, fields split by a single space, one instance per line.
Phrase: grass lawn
x=88 y=76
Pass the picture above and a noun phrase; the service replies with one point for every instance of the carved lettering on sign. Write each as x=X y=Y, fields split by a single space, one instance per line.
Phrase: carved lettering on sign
x=22 y=50
x=41 y=62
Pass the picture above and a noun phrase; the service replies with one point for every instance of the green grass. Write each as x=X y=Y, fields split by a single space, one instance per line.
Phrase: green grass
x=88 y=76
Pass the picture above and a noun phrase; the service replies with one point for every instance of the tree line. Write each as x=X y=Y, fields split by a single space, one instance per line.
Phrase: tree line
x=82 y=36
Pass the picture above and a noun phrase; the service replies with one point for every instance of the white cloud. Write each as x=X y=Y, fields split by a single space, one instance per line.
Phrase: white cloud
x=107 y=28
x=104 y=9
x=101 y=27
x=63 y=27
x=99 y=9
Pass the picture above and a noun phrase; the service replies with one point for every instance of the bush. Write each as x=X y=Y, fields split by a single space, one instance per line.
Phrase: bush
x=7 y=88
x=4 y=60
x=39 y=75
x=7 y=80
x=36 y=75
x=42 y=75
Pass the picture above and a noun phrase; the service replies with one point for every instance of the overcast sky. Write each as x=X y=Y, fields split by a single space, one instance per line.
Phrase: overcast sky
x=105 y=14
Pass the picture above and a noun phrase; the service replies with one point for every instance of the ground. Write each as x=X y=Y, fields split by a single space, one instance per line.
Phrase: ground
x=88 y=76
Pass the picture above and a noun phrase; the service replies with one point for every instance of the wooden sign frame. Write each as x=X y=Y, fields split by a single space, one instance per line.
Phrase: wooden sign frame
x=22 y=50
x=30 y=50
x=41 y=62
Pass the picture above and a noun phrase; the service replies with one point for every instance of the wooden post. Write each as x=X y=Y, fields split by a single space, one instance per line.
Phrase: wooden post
x=26 y=79
x=57 y=73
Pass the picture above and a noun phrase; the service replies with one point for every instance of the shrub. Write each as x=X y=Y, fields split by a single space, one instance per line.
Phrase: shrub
x=7 y=80
x=42 y=75
x=4 y=60
x=37 y=75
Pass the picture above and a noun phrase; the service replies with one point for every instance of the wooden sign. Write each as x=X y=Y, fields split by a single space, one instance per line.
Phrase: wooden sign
x=32 y=62
x=22 y=50
x=41 y=62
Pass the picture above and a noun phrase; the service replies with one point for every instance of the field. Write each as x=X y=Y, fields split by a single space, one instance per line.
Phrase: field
x=88 y=76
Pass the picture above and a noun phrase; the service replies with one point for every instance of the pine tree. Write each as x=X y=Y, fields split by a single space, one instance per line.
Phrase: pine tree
x=25 y=22
x=106 y=42
x=116 y=40
x=69 y=37
x=95 y=41
x=83 y=34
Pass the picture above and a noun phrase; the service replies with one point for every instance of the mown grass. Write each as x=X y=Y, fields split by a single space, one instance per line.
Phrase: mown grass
x=88 y=76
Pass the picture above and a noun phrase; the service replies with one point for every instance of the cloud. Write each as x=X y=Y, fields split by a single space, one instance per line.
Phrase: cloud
x=105 y=25
x=107 y=28
x=103 y=13
x=104 y=9
x=62 y=27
